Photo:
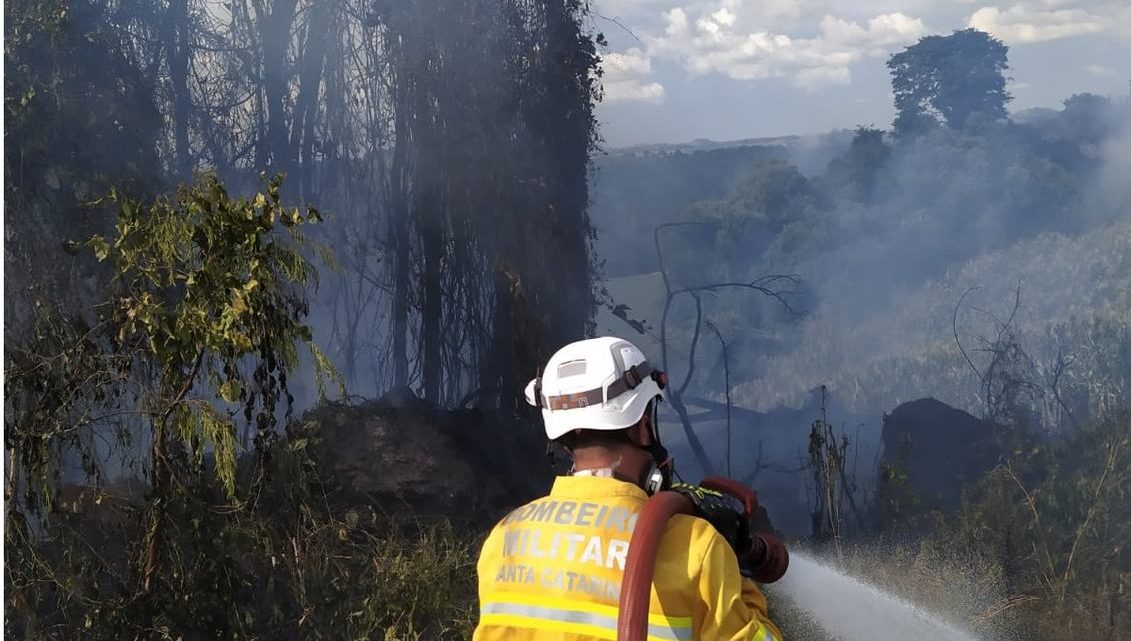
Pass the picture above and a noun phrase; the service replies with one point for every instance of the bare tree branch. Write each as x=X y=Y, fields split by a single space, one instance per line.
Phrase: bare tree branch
x=726 y=384
x=958 y=341
x=766 y=285
x=694 y=345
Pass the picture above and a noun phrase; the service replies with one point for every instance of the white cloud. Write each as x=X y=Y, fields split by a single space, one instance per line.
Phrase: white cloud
x=626 y=78
x=634 y=90
x=677 y=22
x=1022 y=23
x=882 y=34
x=721 y=38
x=630 y=63
x=816 y=43
x=724 y=17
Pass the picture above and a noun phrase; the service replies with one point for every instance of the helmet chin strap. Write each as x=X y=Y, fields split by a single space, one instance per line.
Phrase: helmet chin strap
x=658 y=476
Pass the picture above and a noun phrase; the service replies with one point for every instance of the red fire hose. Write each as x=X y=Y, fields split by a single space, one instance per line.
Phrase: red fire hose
x=640 y=565
x=732 y=487
x=636 y=591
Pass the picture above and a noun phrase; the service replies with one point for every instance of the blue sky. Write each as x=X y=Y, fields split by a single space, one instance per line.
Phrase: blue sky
x=678 y=70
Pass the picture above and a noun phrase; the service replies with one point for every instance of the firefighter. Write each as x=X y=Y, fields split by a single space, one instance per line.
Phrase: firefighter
x=552 y=569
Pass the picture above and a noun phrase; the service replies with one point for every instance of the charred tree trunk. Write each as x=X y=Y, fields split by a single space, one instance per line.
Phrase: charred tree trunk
x=496 y=360
x=432 y=247
x=275 y=34
x=428 y=197
x=562 y=121
x=177 y=52
x=399 y=234
x=306 y=105
x=160 y=479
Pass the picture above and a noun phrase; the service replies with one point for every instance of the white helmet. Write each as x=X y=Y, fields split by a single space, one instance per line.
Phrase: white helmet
x=595 y=384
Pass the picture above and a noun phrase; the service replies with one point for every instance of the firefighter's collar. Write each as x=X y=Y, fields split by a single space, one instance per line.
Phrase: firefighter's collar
x=595 y=486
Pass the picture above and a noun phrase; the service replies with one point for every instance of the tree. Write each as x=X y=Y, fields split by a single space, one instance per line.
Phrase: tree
x=493 y=112
x=199 y=331
x=79 y=116
x=948 y=79
x=775 y=286
x=1088 y=119
x=745 y=228
x=449 y=140
x=856 y=172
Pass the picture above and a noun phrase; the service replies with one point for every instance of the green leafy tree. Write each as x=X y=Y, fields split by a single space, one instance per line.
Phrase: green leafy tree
x=1089 y=120
x=201 y=325
x=948 y=79
x=755 y=224
x=205 y=282
x=857 y=172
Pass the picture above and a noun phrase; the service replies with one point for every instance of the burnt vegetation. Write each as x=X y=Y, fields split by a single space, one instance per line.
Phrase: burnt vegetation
x=220 y=212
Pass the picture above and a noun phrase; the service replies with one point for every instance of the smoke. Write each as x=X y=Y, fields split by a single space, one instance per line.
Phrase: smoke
x=811 y=154
x=471 y=124
x=1113 y=189
x=953 y=210
x=892 y=240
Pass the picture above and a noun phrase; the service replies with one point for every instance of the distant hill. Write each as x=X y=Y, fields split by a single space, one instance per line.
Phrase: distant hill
x=703 y=144
x=795 y=144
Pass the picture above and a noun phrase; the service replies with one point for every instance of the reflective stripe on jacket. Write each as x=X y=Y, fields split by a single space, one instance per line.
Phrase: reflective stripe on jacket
x=552 y=569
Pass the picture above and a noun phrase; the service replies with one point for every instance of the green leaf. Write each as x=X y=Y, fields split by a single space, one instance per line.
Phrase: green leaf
x=231 y=391
x=238 y=304
x=304 y=333
x=100 y=246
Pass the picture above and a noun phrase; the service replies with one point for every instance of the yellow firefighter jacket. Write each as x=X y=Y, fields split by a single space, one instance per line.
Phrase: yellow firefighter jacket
x=552 y=570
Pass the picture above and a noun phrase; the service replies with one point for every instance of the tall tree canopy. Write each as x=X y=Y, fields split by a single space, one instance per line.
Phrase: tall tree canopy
x=448 y=141
x=947 y=79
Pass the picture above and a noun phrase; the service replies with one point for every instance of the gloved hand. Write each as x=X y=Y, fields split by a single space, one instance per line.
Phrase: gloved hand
x=718 y=509
x=760 y=556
